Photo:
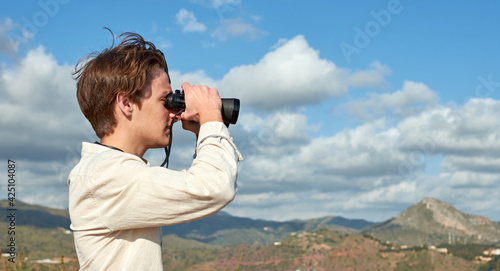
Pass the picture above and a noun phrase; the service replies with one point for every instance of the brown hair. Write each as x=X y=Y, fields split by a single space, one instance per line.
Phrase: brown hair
x=102 y=75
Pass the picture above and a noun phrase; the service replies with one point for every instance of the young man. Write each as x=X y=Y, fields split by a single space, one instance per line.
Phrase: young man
x=117 y=200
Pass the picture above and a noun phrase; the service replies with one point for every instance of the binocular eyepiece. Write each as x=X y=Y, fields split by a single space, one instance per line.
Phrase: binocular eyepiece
x=230 y=107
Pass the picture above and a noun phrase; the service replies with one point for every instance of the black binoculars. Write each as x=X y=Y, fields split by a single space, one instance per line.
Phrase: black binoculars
x=230 y=107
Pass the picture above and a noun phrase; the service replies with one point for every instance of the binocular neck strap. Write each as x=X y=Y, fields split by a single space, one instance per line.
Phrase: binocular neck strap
x=169 y=147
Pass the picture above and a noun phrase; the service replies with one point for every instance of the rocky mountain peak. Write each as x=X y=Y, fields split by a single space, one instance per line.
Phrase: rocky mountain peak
x=449 y=217
x=431 y=215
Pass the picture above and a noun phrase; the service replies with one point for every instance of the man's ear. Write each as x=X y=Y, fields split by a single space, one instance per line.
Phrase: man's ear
x=125 y=104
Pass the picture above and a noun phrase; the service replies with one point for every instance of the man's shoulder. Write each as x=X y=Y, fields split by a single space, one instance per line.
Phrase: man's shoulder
x=97 y=158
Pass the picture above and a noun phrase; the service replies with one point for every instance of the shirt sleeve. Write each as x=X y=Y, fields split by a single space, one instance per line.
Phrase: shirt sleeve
x=133 y=194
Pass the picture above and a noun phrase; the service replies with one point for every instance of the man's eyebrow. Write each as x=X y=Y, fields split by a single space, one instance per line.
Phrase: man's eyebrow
x=165 y=92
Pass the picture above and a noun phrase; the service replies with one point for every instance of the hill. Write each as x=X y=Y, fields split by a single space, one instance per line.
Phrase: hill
x=319 y=250
x=432 y=221
x=224 y=242
x=224 y=229
x=219 y=229
x=37 y=215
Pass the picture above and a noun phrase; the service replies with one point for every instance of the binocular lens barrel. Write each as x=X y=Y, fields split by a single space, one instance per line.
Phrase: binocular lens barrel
x=230 y=107
x=230 y=110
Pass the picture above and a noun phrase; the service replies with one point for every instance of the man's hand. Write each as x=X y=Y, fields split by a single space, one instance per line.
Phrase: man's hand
x=192 y=126
x=203 y=104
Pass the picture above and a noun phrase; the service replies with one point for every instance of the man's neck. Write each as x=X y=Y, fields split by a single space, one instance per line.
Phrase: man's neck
x=124 y=143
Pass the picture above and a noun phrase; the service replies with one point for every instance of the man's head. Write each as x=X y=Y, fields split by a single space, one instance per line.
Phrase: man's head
x=127 y=68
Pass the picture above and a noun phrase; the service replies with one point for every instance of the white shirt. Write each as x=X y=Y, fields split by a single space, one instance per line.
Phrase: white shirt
x=117 y=201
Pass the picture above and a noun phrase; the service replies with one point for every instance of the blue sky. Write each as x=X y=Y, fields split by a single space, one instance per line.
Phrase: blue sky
x=351 y=108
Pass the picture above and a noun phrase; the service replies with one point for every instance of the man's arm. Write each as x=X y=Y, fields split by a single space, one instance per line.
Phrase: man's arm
x=155 y=196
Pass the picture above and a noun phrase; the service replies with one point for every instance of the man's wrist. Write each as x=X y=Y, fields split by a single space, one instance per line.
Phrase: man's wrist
x=214 y=115
x=212 y=128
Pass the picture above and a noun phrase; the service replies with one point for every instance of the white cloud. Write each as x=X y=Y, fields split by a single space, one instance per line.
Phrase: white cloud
x=392 y=193
x=467 y=179
x=11 y=36
x=367 y=150
x=375 y=75
x=256 y=18
x=154 y=28
x=294 y=74
x=208 y=44
x=470 y=130
x=188 y=21
x=219 y=3
x=39 y=113
x=480 y=164
x=411 y=99
x=42 y=126
x=376 y=167
x=163 y=44
x=367 y=171
x=237 y=28
x=197 y=77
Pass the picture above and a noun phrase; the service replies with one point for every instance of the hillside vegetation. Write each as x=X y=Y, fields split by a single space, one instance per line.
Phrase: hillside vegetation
x=430 y=235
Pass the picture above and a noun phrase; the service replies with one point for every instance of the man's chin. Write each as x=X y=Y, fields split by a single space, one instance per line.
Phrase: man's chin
x=164 y=145
x=161 y=145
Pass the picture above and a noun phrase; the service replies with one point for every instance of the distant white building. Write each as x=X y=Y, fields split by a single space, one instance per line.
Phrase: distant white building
x=442 y=250
x=268 y=229
x=47 y=261
x=491 y=252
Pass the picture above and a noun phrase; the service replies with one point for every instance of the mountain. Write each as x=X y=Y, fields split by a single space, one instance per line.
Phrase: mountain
x=224 y=229
x=219 y=229
x=318 y=250
x=432 y=221
x=36 y=215
x=225 y=242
